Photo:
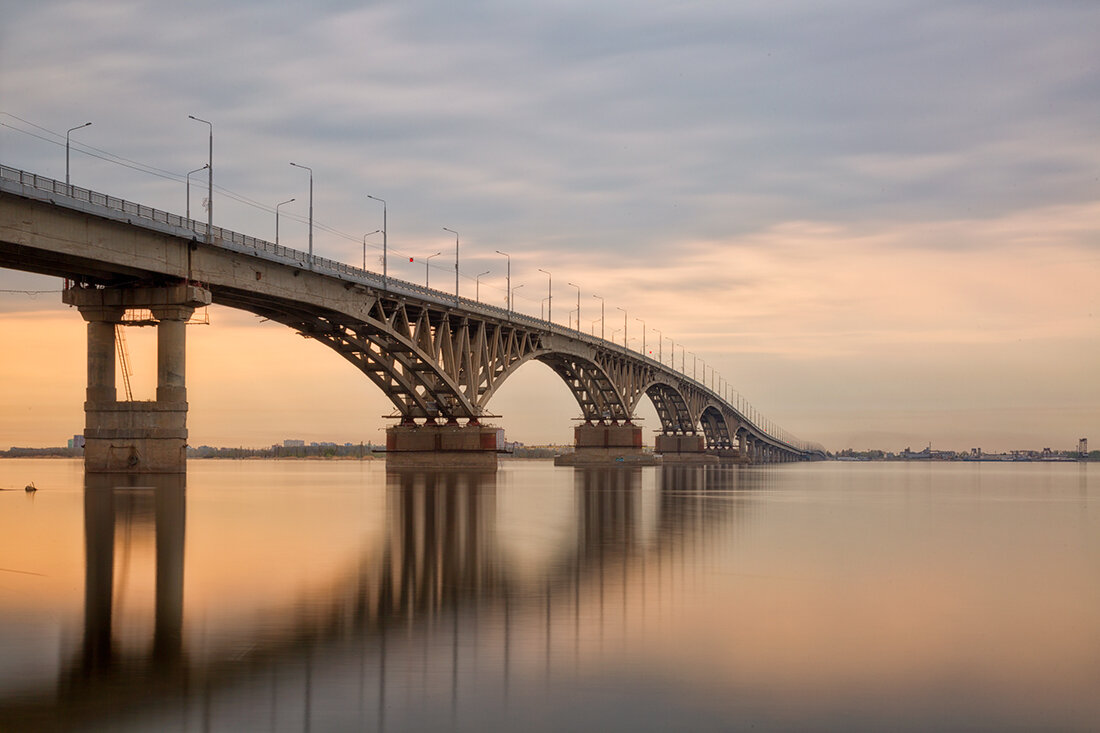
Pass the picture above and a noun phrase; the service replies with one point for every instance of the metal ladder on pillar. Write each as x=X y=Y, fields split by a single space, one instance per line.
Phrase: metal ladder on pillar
x=124 y=360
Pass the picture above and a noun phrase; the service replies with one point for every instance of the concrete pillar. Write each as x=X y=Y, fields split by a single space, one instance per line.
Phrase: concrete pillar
x=101 y=353
x=172 y=352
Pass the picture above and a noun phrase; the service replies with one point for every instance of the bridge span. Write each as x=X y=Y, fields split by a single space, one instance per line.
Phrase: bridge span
x=438 y=357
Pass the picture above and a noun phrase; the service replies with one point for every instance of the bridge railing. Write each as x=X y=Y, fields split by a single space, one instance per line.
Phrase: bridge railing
x=261 y=247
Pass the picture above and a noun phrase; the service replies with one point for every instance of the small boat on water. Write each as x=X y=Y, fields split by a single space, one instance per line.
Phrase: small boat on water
x=30 y=487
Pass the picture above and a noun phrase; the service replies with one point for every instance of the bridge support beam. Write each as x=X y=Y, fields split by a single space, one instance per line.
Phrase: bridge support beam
x=136 y=436
x=603 y=444
x=442 y=446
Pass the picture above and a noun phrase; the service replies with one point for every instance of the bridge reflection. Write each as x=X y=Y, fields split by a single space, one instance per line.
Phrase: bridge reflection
x=440 y=594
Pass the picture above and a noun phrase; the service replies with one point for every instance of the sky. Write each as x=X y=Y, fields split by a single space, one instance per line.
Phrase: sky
x=878 y=221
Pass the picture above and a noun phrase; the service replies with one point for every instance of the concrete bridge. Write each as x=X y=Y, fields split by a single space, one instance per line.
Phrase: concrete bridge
x=438 y=357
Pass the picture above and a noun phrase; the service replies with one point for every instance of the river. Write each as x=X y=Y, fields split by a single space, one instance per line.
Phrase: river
x=304 y=595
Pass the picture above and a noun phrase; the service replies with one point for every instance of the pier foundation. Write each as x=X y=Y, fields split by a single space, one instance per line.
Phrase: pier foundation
x=606 y=444
x=442 y=446
x=688 y=448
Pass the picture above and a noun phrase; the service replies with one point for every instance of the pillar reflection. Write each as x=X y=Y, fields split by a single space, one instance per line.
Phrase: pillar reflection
x=120 y=508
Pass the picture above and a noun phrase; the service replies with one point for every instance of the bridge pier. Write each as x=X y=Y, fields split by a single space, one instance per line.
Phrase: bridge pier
x=606 y=443
x=727 y=455
x=683 y=448
x=136 y=436
x=442 y=446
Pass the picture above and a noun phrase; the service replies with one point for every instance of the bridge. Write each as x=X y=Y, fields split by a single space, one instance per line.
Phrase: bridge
x=438 y=357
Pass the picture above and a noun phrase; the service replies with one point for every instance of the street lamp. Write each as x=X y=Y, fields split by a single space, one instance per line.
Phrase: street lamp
x=188 y=177
x=281 y=203
x=306 y=167
x=67 y=152
x=508 y=295
x=452 y=231
x=365 y=246
x=549 y=295
x=209 y=182
x=384 y=276
x=426 y=262
x=512 y=294
x=578 y=287
x=639 y=320
x=477 y=286
x=601 y=314
x=660 y=345
x=624 y=325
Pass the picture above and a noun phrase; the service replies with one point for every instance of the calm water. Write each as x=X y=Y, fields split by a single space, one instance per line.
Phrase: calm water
x=333 y=596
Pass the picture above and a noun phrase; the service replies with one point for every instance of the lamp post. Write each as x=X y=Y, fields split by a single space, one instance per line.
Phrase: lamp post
x=660 y=344
x=639 y=320
x=281 y=203
x=477 y=286
x=601 y=314
x=365 y=246
x=549 y=295
x=385 y=281
x=694 y=362
x=452 y=231
x=209 y=182
x=624 y=325
x=512 y=295
x=426 y=263
x=67 y=153
x=578 y=287
x=508 y=286
x=672 y=360
x=188 y=177
x=306 y=167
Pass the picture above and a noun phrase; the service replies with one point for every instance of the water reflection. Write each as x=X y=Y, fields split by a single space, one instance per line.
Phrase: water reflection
x=115 y=509
x=440 y=586
x=578 y=598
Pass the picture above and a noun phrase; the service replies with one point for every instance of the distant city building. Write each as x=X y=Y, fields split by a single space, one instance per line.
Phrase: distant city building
x=294 y=444
x=77 y=441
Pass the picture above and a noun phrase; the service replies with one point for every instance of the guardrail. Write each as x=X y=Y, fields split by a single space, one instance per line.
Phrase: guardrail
x=220 y=236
